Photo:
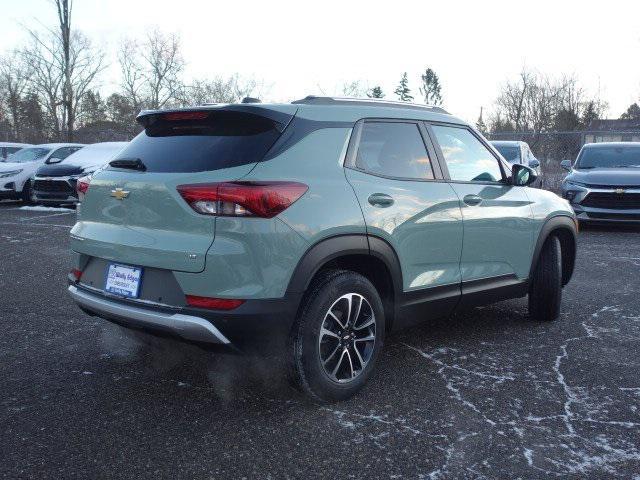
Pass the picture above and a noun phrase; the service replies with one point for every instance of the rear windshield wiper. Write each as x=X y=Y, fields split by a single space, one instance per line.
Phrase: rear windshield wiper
x=131 y=163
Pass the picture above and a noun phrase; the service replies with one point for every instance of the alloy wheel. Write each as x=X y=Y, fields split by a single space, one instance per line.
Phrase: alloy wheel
x=347 y=337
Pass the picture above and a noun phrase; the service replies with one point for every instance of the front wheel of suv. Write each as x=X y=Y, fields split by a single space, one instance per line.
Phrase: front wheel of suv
x=545 y=290
x=337 y=337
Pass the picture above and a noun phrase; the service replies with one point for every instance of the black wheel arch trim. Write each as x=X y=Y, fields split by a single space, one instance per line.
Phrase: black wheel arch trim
x=568 y=243
x=331 y=248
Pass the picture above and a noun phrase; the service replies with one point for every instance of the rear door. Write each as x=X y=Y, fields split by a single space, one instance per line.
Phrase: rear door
x=406 y=202
x=136 y=216
x=497 y=216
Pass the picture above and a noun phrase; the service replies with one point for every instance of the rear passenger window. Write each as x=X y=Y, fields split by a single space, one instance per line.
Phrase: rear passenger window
x=467 y=159
x=393 y=149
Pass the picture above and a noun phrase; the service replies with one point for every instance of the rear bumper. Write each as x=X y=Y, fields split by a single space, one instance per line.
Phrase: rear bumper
x=256 y=326
x=188 y=327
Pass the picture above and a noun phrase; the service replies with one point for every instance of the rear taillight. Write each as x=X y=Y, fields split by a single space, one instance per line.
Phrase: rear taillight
x=76 y=274
x=213 y=303
x=242 y=199
x=82 y=185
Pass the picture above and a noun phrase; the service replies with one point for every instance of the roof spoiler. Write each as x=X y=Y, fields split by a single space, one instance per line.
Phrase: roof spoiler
x=279 y=118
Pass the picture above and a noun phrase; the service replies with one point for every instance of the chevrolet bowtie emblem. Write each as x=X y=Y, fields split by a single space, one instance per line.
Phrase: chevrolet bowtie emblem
x=620 y=191
x=119 y=193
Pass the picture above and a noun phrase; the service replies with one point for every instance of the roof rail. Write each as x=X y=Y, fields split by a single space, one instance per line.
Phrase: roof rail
x=369 y=102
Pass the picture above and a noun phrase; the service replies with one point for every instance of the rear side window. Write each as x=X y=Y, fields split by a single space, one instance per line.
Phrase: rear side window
x=393 y=149
x=171 y=143
x=467 y=159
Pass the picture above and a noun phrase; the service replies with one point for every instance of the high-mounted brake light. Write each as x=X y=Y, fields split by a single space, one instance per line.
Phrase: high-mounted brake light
x=174 y=116
x=213 y=303
x=242 y=199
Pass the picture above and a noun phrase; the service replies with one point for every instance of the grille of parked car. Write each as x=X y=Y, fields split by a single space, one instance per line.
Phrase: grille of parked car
x=612 y=200
x=53 y=186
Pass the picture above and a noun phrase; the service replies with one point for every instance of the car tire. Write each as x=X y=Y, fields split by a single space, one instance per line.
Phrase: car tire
x=330 y=356
x=26 y=193
x=545 y=290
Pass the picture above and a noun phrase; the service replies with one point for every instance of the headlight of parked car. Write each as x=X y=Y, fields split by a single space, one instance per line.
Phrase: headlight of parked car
x=571 y=183
x=10 y=174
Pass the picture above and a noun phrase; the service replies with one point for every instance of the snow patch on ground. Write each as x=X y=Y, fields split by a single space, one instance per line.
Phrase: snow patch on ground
x=40 y=208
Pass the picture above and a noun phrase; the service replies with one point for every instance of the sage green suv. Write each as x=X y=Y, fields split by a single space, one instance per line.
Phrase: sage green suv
x=313 y=228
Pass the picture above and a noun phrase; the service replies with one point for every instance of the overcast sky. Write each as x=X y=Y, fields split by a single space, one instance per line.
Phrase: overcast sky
x=296 y=46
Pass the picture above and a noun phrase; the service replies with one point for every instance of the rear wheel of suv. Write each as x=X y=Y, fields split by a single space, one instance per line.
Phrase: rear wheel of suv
x=545 y=291
x=338 y=336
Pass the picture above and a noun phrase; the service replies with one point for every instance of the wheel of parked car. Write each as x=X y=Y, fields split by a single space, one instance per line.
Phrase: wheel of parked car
x=27 y=196
x=545 y=291
x=338 y=335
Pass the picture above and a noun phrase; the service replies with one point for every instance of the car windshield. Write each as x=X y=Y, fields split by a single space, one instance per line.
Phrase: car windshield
x=510 y=154
x=29 y=155
x=610 y=157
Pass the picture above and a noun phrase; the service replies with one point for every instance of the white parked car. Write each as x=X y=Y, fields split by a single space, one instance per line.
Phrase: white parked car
x=15 y=174
x=56 y=184
x=519 y=152
x=9 y=148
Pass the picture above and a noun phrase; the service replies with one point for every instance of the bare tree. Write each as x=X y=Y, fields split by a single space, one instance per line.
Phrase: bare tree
x=14 y=83
x=152 y=70
x=222 y=90
x=65 y=66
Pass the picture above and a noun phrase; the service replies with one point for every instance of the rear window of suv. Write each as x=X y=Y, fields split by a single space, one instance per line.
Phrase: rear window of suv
x=177 y=142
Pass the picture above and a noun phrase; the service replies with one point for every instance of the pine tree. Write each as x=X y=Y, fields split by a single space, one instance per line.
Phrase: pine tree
x=375 y=92
x=93 y=108
x=431 y=88
x=589 y=114
x=480 y=125
x=402 y=90
x=632 y=113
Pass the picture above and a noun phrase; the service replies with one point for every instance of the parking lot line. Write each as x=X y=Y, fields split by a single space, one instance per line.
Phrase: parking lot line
x=46 y=216
x=37 y=224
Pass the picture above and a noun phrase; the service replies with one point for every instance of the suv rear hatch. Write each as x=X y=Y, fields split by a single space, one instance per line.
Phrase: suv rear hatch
x=133 y=213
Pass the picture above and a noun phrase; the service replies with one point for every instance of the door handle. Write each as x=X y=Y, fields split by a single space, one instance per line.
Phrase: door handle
x=380 y=200
x=472 y=200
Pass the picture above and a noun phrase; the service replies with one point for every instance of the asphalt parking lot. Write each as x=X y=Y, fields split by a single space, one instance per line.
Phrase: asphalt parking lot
x=486 y=394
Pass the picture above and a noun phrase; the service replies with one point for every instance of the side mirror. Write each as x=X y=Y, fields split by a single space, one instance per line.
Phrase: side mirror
x=534 y=163
x=53 y=160
x=522 y=175
x=566 y=164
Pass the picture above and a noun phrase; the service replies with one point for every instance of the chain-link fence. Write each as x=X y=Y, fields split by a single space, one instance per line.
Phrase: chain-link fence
x=553 y=147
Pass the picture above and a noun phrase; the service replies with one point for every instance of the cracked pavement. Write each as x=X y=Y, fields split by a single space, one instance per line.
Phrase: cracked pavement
x=485 y=394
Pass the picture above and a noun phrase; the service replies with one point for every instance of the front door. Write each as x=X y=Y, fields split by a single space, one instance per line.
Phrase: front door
x=497 y=216
x=407 y=203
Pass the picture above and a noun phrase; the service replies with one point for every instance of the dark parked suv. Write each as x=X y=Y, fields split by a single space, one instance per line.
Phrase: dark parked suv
x=603 y=184
x=313 y=228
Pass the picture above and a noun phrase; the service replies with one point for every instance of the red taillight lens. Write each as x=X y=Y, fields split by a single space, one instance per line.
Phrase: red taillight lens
x=76 y=274
x=82 y=185
x=213 y=303
x=242 y=199
x=176 y=116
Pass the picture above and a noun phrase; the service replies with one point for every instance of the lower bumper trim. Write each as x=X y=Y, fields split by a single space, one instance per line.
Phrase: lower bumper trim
x=188 y=327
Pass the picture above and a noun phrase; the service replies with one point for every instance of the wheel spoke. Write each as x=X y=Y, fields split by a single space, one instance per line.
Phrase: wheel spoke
x=353 y=372
x=335 y=370
x=368 y=338
x=354 y=319
x=337 y=320
x=369 y=322
x=328 y=333
x=360 y=359
x=332 y=354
